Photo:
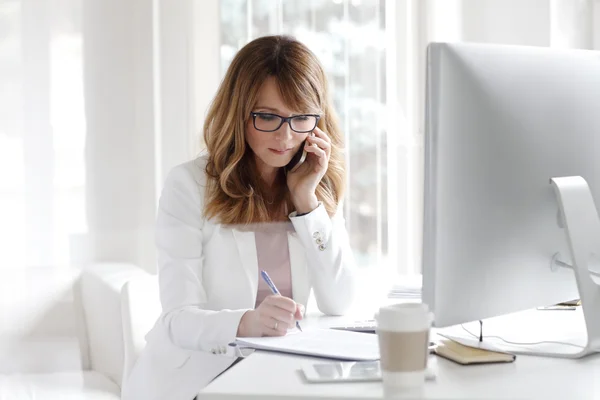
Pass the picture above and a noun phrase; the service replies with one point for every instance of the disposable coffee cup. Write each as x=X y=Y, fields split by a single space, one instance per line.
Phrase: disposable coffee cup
x=403 y=335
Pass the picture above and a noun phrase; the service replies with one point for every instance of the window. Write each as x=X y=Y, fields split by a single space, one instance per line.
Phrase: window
x=348 y=37
x=42 y=132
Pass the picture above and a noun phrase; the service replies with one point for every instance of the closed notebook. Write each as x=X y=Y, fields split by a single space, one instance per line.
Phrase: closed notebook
x=466 y=355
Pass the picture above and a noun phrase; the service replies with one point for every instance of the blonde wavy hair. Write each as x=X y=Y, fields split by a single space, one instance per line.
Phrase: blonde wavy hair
x=235 y=193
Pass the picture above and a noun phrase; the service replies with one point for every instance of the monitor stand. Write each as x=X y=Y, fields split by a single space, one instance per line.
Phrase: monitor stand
x=554 y=334
x=582 y=227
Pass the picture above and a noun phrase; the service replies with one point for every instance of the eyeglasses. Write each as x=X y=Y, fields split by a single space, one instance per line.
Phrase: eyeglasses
x=267 y=122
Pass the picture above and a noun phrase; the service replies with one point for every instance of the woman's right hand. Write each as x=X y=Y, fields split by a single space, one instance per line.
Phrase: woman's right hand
x=272 y=317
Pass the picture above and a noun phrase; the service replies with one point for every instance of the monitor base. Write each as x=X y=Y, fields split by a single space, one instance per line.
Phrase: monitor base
x=582 y=227
x=567 y=347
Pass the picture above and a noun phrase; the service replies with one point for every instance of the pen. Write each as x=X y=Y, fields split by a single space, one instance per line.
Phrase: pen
x=269 y=282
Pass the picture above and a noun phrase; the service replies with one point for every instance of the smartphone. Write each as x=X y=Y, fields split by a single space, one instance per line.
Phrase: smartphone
x=298 y=159
x=360 y=371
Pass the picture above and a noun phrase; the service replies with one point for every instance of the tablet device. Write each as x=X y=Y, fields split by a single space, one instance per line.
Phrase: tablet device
x=359 y=371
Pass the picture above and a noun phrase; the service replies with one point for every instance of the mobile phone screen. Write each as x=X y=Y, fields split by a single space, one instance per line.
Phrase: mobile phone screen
x=298 y=158
x=364 y=370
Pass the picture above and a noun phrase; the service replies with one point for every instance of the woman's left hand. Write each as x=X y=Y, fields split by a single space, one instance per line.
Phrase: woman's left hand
x=303 y=182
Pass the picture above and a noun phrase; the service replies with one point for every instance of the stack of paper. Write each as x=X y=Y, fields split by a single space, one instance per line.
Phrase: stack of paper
x=327 y=343
x=405 y=292
x=408 y=287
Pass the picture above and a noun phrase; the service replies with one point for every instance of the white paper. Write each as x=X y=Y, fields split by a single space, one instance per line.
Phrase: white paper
x=328 y=343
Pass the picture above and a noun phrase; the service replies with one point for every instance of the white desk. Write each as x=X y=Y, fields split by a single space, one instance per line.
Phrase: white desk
x=265 y=375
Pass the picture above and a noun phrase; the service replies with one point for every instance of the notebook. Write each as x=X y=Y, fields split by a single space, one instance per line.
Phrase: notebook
x=326 y=343
x=466 y=355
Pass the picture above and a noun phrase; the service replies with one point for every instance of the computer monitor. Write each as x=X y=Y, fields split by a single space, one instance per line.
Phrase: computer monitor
x=500 y=122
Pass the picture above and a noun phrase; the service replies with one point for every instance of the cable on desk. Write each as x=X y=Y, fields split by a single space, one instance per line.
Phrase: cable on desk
x=523 y=343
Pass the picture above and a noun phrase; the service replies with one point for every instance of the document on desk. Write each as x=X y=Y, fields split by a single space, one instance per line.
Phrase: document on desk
x=327 y=343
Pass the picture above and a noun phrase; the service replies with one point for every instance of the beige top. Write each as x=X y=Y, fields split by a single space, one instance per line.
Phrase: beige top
x=273 y=256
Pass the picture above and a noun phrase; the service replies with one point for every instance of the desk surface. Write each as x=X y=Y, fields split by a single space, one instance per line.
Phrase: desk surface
x=265 y=375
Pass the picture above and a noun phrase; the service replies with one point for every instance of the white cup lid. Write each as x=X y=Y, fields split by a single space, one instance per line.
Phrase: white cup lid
x=404 y=317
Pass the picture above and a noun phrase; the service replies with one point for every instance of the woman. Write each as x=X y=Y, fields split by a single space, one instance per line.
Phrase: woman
x=237 y=210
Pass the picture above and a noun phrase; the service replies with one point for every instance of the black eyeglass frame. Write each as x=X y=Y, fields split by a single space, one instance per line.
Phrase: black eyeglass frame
x=284 y=120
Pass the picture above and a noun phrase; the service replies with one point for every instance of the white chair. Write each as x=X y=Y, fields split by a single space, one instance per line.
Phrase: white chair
x=61 y=334
x=140 y=308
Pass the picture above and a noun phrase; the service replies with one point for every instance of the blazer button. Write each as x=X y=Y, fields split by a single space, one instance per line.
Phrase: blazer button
x=322 y=247
x=319 y=241
x=214 y=351
x=317 y=235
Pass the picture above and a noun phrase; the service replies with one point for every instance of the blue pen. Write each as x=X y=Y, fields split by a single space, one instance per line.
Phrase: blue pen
x=269 y=282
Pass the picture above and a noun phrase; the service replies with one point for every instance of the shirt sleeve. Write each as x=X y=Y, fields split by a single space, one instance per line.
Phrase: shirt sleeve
x=180 y=263
x=331 y=265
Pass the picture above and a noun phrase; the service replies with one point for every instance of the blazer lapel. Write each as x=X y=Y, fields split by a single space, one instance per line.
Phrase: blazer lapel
x=246 y=245
x=300 y=282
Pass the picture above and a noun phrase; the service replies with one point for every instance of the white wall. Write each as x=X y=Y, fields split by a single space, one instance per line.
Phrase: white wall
x=206 y=62
x=38 y=154
x=174 y=74
x=521 y=22
x=189 y=75
x=119 y=108
x=572 y=23
x=596 y=24
x=151 y=69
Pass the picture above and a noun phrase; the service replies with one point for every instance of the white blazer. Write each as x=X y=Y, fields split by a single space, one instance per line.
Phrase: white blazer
x=208 y=278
